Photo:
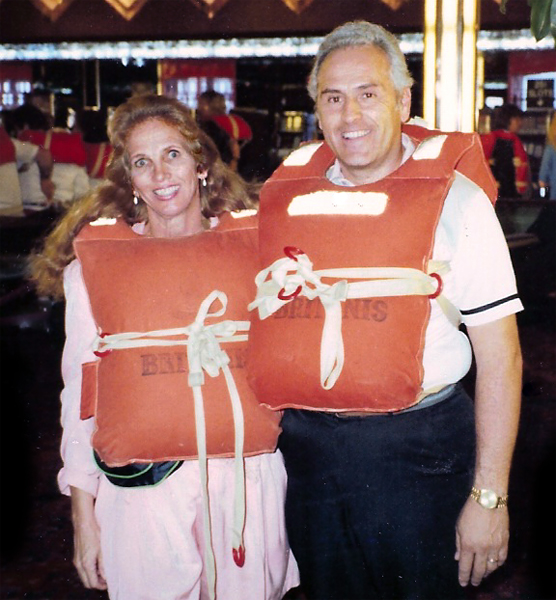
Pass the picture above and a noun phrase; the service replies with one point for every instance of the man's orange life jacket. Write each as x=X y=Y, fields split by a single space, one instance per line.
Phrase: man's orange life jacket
x=305 y=303
x=65 y=146
x=142 y=397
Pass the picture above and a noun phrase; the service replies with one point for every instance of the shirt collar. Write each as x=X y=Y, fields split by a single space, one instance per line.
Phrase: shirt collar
x=334 y=173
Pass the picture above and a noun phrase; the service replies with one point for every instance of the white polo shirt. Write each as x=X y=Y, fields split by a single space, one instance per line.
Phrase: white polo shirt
x=481 y=282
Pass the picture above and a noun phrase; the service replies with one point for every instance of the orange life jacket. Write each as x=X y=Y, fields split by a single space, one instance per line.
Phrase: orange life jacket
x=511 y=167
x=235 y=126
x=98 y=156
x=65 y=146
x=387 y=224
x=140 y=396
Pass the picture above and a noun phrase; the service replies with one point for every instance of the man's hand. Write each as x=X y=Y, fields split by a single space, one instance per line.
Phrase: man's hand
x=482 y=537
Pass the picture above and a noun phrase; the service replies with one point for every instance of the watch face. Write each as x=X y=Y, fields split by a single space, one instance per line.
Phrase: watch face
x=488 y=499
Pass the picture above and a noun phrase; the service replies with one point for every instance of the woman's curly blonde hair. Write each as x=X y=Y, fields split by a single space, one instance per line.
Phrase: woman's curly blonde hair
x=225 y=189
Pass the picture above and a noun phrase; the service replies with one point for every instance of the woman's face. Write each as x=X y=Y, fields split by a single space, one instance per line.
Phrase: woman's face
x=165 y=176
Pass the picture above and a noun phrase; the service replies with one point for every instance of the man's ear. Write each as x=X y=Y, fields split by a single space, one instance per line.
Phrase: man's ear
x=405 y=104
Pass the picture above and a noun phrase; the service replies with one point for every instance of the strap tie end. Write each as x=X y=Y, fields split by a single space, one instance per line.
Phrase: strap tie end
x=239 y=555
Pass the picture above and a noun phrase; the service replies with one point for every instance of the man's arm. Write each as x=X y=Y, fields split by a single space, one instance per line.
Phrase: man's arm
x=483 y=534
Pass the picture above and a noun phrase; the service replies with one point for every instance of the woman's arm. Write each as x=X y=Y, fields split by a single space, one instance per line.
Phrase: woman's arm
x=87 y=556
x=79 y=476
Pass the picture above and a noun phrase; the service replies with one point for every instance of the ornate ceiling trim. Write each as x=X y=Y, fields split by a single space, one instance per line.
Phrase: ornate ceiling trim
x=209 y=7
x=52 y=8
x=127 y=8
x=394 y=4
x=298 y=6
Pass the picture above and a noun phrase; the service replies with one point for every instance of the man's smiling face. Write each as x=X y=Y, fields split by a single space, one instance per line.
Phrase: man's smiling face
x=361 y=113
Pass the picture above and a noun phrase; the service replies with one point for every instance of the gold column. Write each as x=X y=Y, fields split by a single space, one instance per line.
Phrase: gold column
x=450 y=64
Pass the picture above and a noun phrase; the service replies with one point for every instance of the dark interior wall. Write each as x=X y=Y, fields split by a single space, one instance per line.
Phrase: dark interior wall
x=96 y=20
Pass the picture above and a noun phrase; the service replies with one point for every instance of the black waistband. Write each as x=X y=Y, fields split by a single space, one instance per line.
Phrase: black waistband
x=138 y=474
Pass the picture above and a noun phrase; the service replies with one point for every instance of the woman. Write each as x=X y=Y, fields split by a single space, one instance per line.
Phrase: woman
x=145 y=529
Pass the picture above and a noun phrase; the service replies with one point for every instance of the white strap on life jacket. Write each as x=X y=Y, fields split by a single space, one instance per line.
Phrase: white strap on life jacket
x=293 y=276
x=204 y=354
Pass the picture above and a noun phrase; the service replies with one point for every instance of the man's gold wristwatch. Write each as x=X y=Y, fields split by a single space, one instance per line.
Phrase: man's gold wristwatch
x=488 y=498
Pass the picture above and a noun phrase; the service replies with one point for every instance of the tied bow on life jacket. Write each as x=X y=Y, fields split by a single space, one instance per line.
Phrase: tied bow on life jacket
x=344 y=299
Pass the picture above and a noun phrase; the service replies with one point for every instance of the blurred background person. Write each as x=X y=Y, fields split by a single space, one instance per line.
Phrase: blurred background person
x=69 y=175
x=505 y=152
x=34 y=163
x=547 y=172
x=210 y=105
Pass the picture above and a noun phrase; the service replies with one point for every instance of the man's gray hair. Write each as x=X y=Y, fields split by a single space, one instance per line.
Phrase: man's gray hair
x=362 y=33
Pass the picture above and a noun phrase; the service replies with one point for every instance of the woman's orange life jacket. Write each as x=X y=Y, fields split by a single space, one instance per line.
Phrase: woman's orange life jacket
x=140 y=397
x=383 y=337
x=65 y=146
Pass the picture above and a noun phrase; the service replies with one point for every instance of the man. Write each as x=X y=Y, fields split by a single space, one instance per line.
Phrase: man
x=69 y=177
x=385 y=488
x=16 y=159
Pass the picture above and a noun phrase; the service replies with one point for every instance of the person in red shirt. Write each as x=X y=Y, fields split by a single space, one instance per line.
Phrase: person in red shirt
x=505 y=152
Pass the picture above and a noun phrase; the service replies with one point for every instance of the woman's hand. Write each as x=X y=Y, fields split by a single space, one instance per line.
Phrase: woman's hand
x=87 y=556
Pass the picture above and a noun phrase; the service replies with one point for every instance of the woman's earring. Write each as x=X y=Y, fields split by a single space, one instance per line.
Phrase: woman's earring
x=205 y=183
x=135 y=198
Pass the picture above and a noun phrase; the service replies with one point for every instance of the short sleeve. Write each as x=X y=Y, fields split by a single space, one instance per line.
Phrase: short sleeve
x=25 y=152
x=483 y=281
